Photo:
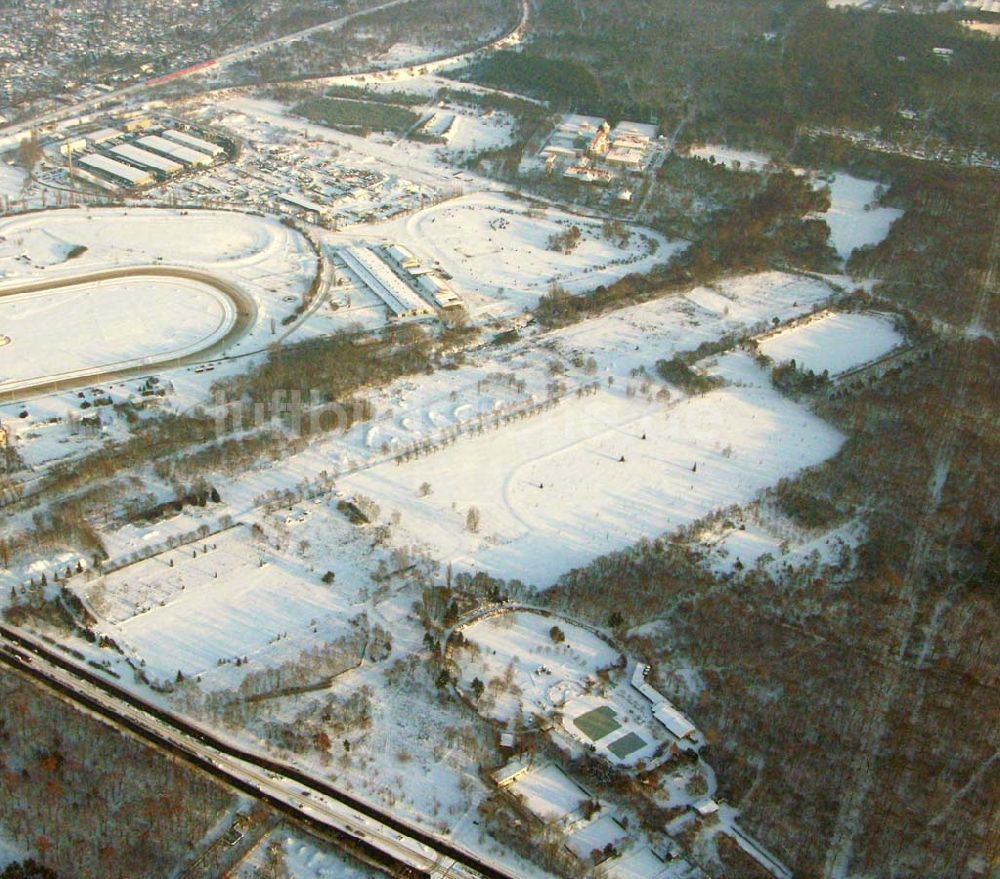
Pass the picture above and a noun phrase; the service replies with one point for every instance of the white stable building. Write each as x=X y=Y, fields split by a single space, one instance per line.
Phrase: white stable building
x=184 y=155
x=146 y=159
x=663 y=709
x=122 y=173
x=195 y=143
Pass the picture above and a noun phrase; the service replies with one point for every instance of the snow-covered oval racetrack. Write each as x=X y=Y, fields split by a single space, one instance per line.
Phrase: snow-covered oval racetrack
x=92 y=327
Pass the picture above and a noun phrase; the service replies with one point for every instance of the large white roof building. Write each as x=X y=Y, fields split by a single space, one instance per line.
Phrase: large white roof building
x=146 y=159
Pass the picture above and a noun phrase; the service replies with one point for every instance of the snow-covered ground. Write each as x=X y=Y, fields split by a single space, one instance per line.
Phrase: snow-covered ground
x=596 y=835
x=644 y=864
x=11 y=181
x=547 y=674
x=187 y=609
x=834 y=342
x=466 y=129
x=731 y=157
x=303 y=858
x=855 y=219
x=579 y=481
x=138 y=320
x=95 y=326
x=763 y=536
x=497 y=248
x=118 y=237
x=9 y=851
x=549 y=793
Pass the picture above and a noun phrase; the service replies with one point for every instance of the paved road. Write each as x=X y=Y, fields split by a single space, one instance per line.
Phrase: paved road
x=377 y=836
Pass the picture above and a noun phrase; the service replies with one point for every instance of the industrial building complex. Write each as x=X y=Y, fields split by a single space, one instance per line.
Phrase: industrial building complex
x=133 y=152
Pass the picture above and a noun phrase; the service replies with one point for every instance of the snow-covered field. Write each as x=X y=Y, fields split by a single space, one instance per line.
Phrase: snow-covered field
x=549 y=793
x=855 y=220
x=547 y=674
x=580 y=480
x=834 y=343
x=468 y=129
x=635 y=337
x=141 y=319
x=185 y=611
x=303 y=858
x=731 y=157
x=116 y=237
x=597 y=834
x=496 y=247
x=11 y=181
x=643 y=864
x=9 y=851
x=106 y=324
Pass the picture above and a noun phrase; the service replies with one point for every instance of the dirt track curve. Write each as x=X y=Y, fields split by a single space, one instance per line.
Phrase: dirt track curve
x=243 y=304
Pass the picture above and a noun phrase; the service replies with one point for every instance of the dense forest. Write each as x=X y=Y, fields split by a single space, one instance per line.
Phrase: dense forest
x=850 y=701
x=757 y=70
x=89 y=801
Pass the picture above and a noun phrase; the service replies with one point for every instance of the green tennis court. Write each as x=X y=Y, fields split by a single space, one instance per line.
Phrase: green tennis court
x=627 y=744
x=597 y=723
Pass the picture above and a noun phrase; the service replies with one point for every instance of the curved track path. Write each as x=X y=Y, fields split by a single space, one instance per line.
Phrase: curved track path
x=244 y=307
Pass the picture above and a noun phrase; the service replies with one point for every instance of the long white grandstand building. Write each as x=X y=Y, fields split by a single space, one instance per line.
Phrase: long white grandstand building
x=184 y=155
x=146 y=159
x=189 y=140
x=402 y=300
x=126 y=174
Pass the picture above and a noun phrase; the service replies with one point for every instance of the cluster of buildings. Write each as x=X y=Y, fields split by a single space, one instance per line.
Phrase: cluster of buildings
x=139 y=153
x=309 y=185
x=663 y=709
x=399 y=280
x=589 y=149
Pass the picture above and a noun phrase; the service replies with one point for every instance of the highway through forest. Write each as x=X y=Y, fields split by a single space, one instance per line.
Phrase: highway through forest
x=368 y=831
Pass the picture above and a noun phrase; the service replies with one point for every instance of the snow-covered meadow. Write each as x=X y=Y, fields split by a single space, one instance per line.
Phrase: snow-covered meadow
x=498 y=248
x=834 y=343
x=547 y=674
x=596 y=474
x=228 y=597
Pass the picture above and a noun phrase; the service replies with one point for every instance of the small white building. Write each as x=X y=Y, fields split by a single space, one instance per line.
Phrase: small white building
x=507 y=775
x=77 y=145
x=402 y=256
x=103 y=135
x=675 y=722
x=705 y=807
